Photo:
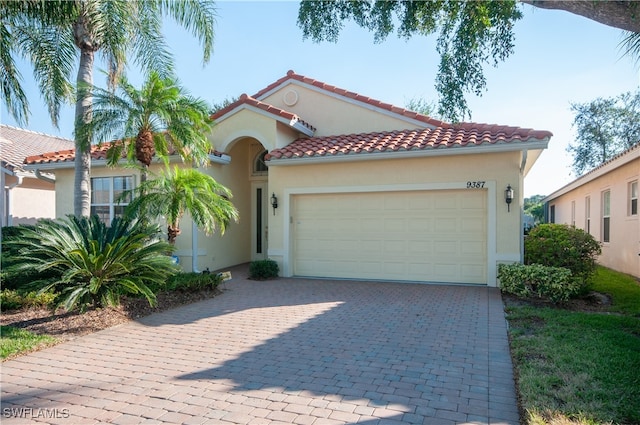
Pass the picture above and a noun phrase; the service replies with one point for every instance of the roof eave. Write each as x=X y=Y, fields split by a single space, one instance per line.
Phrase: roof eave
x=633 y=154
x=294 y=123
x=412 y=121
x=462 y=150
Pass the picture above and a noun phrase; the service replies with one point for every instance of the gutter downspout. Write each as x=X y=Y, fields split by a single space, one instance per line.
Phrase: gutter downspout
x=44 y=178
x=523 y=163
x=194 y=247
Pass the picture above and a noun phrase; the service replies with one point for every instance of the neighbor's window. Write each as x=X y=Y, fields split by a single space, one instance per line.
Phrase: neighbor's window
x=552 y=214
x=606 y=215
x=573 y=213
x=587 y=214
x=633 y=198
x=105 y=192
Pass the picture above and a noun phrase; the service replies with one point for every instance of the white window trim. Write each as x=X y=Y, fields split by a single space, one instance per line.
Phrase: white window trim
x=111 y=204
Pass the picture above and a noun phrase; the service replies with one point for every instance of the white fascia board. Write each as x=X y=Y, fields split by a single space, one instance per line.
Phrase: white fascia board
x=103 y=163
x=365 y=105
x=224 y=159
x=295 y=124
x=594 y=174
x=466 y=150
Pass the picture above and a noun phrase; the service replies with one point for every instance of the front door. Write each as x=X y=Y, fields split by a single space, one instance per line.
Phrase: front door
x=259 y=221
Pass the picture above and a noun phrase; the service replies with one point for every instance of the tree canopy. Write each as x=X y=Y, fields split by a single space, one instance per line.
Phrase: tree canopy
x=470 y=34
x=604 y=128
x=60 y=36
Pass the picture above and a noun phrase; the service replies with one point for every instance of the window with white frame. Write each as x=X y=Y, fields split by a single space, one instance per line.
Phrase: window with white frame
x=606 y=215
x=260 y=167
x=587 y=214
x=633 y=198
x=105 y=196
x=573 y=213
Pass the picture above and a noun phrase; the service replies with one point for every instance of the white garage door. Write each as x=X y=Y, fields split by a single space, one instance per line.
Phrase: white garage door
x=435 y=236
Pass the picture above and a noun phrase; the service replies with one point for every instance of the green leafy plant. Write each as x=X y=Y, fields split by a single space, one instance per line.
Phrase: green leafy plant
x=263 y=269
x=10 y=256
x=560 y=245
x=11 y=299
x=95 y=264
x=555 y=283
x=193 y=282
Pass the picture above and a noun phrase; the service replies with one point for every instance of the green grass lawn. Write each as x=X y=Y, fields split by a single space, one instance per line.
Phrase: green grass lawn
x=580 y=368
x=14 y=341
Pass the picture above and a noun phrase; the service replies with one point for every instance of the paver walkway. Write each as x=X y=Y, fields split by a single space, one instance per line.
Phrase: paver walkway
x=289 y=351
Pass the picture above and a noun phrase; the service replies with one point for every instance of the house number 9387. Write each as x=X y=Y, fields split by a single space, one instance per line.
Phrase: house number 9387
x=475 y=185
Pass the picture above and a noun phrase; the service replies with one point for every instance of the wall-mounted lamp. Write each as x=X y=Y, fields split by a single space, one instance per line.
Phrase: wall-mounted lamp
x=274 y=202
x=508 y=196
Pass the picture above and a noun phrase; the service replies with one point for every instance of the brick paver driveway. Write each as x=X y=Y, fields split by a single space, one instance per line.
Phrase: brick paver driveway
x=291 y=351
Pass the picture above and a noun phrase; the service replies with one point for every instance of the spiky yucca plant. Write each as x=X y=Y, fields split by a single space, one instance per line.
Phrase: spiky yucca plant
x=94 y=265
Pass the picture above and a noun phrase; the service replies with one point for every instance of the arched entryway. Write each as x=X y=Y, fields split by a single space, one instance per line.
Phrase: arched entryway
x=248 y=178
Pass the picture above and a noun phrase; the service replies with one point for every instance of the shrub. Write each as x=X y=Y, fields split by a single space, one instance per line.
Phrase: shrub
x=554 y=283
x=10 y=256
x=94 y=264
x=12 y=300
x=263 y=269
x=193 y=282
x=560 y=245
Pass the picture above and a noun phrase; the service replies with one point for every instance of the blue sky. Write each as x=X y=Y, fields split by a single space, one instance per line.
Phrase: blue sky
x=559 y=59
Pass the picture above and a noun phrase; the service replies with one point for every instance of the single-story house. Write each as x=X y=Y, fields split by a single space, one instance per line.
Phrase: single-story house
x=333 y=184
x=604 y=202
x=26 y=195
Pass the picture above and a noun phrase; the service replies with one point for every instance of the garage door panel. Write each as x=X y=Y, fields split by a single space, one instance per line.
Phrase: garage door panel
x=413 y=235
x=448 y=225
x=392 y=225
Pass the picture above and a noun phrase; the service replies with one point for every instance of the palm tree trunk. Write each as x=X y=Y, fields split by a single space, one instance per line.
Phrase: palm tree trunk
x=82 y=177
x=173 y=231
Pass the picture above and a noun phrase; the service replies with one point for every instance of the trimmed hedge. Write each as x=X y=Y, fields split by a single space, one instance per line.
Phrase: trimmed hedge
x=554 y=283
x=263 y=269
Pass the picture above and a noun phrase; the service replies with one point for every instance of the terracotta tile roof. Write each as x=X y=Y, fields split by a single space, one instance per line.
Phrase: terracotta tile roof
x=291 y=75
x=16 y=144
x=98 y=152
x=466 y=134
x=281 y=113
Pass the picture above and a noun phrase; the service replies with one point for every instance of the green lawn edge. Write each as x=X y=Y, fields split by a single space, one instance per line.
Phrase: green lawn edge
x=580 y=367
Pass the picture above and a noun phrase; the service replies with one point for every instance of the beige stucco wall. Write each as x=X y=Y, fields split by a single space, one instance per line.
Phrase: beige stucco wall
x=29 y=201
x=331 y=117
x=497 y=169
x=621 y=252
x=245 y=123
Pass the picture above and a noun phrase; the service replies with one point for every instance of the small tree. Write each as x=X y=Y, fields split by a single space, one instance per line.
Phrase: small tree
x=560 y=245
x=182 y=190
x=150 y=121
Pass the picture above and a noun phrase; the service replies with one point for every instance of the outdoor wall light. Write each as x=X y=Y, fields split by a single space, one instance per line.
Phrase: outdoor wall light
x=508 y=196
x=274 y=202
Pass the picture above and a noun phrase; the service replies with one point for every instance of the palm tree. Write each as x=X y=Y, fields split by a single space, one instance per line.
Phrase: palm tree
x=45 y=32
x=158 y=118
x=184 y=190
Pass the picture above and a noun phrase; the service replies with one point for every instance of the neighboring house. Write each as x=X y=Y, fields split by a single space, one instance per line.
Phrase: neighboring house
x=333 y=184
x=604 y=202
x=26 y=195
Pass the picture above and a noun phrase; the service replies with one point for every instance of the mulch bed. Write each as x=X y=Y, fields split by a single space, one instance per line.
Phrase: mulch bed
x=68 y=325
